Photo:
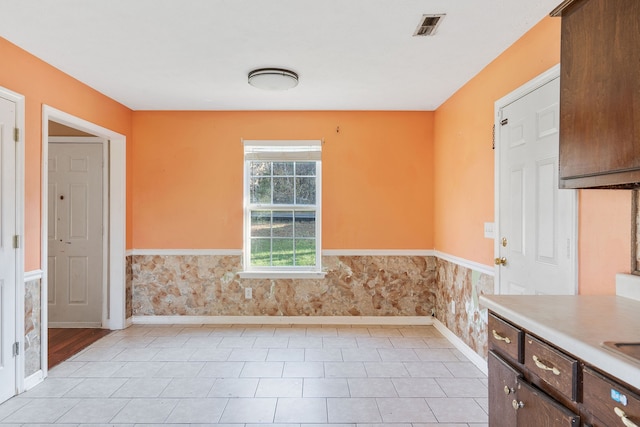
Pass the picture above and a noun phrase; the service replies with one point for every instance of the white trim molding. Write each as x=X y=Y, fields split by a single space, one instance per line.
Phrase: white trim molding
x=378 y=252
x=19 y=180
x=115 y=317
x=326 y=252
x=468 y=352
x=184 y=252
x=283 y=320
x=474 y=357
x=472 y=265
x=33 y=275
x=282 y=274
x=33 y=380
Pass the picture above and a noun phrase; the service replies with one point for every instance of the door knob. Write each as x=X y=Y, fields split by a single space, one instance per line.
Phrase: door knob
x=517 y=405
x=500 y=261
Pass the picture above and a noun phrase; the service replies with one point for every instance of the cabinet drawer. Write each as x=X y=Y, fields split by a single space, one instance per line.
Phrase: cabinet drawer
x=505 y=338
x=552 y=366
x=602 y=396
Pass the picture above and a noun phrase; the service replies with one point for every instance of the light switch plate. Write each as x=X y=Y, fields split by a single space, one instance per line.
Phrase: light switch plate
x=488 y=230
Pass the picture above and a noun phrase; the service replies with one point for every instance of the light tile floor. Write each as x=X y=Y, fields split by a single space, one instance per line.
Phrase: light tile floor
x=254 y=375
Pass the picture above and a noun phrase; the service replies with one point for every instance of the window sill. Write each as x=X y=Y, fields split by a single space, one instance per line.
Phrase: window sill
x=282 y=274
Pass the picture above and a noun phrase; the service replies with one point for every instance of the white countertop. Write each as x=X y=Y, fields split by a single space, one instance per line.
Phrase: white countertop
x=579 y=325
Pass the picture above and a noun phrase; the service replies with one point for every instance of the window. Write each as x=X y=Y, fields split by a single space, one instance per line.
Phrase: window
x=282 y=193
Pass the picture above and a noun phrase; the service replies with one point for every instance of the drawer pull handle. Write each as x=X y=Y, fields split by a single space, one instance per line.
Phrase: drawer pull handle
x=544 y=367
x=508 y=390
x=625 y=420
x=517 y=405
x=501 y=338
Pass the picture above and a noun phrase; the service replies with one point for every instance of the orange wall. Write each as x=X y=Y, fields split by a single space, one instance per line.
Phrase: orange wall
x=41 y=84
x=377 y=176
x=605 y=239
x=464 y=169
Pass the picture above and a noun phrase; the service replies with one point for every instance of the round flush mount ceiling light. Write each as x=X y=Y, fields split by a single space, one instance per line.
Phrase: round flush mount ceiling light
x=273 y=79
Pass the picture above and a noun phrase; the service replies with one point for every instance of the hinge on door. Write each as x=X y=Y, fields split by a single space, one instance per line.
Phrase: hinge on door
x=16 y=349
x=16 y=134
x=16 y=241
x=504 y=122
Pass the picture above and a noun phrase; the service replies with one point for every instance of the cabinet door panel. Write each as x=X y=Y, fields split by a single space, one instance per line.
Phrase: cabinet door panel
x=503 y=380
x=536 y=409
x=600 y=93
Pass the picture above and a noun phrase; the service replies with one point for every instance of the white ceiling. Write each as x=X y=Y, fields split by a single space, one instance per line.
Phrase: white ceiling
x=195 y=54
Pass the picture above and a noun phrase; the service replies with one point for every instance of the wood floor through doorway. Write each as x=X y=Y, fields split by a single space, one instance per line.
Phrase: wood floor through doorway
x=65 y=342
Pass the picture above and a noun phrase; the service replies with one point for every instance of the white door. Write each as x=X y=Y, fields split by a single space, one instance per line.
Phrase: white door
x=75 y=219
x=7 y=250
x=536 y=220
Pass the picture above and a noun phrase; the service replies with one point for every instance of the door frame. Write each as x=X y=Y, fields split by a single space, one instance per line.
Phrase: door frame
x=105 y=209
x=19 y=100
x=533 y=84
x=115 y=163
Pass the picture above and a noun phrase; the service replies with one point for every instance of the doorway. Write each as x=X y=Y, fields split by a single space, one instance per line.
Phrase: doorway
x=536 y=222
x=113 y=184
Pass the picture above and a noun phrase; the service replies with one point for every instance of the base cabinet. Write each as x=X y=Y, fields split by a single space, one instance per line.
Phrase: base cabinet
x=534 y=383
x=514 y=402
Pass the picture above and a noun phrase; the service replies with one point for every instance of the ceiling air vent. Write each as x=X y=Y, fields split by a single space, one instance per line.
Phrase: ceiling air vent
x=428 y=25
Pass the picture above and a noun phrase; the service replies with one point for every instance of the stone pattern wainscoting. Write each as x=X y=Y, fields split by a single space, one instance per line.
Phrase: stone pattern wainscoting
x=209 y=285
x=463 y=286
x=32 y=327
x=128 y=309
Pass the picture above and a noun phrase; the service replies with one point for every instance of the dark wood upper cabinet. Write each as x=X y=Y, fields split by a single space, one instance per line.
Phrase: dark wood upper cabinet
x=600 y=94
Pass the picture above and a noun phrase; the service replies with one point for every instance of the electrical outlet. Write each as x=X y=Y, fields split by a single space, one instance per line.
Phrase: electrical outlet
x=248 y=293
x=453 y=307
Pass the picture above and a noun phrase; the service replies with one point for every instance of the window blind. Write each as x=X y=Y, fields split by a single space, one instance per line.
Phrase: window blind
x=292 y=150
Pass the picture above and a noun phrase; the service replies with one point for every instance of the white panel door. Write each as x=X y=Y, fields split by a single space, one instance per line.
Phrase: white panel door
x=7 y=251
x=75 y=235
x=536 y=219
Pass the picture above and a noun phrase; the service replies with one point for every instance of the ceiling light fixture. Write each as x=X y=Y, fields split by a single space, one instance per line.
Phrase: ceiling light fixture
x=273 y=79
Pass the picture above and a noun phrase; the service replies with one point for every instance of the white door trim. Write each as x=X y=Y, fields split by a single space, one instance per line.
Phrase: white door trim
x=19 y=100
x=115 y=268
x=530 y=86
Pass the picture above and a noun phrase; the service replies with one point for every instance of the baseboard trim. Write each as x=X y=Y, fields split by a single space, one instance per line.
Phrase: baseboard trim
x=283 y=320
x=474 y=357
x=33 y=380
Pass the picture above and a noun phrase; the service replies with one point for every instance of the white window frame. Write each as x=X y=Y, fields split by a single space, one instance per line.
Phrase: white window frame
x=281 y=151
